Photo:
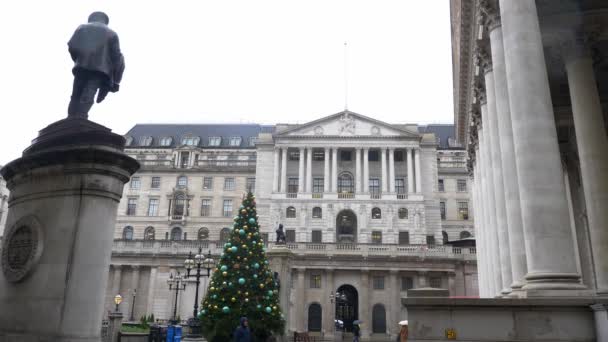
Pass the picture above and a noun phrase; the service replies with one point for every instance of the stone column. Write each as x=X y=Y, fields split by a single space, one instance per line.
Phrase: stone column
x=326 y=175
x=592 y=145
x=151 y=290
x=284 y=170
x=301 y=171
x=600 y=313
x=364 y=307
x=329 y=307
x=505 y=134
x=358 y=170
x=132 y=297
x=422 y=281
x=301 y=300
x=116 y=282
x=334 y=170
x=418 y=172
x=115 y=324
x=309 y=170
x=495 y=153
x=548 y=239
x=394 y=305
x=391 y=170
x=383 y=167
x=366 y=170
x=275 y=180
x=410 y=171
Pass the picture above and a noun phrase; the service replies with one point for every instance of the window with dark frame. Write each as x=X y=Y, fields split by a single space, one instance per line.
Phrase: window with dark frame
x=407 y=283
x=318 y=155
x=131 y=206
x=400 y=186
x=430 y=240
x=376 y=213
x=317 y=212
x=135 y=183
x=315 y=281
x=376 y=237
x=440 y=185
x=207 y=183
x=442 y=209
x=182 y=181
x=229 y=184
x=345 y=183
x=127 y=233
x=294 y=155
x=153 y=207
x=227 y=209
x=317 y=236
x=250 y=184
x=373 y=156
x=435 y=282
x=404 y=238
x=155 y=184
x=346 y=155
x=374 y=186
x=290 y=235
x=205 y=207
x=378 y=282
x=292 y=185
x=318 y=185
x=461 y=185
x=463 y=210
x=399 y=155
x=402 y=213
x=290 y=212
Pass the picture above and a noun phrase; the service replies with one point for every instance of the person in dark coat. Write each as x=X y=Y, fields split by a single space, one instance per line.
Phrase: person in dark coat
x=242 y=333
x=356 y=332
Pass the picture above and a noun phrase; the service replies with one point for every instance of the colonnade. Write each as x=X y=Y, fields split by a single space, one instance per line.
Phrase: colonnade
x=361 y=174
x=526 y=245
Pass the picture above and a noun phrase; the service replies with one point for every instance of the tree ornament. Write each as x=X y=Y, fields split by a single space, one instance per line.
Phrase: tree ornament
x=256 y=265
x=268 y=309
x=261 y=286
x=274 y=308
x=242 y=233
x=244 y=211
x=270 y=293
x=233 y=299
x=241 y=281
x=252 y=221
x=255 y=276
x=246 y=300
x=226 y=309
x=258 y=306
x=224 y=268
x=234 y=249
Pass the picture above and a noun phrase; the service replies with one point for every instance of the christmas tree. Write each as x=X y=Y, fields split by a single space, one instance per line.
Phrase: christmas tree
x=242 y=284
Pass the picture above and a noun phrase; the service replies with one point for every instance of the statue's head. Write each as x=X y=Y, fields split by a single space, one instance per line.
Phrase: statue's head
x=99 y=17
x=281 y=226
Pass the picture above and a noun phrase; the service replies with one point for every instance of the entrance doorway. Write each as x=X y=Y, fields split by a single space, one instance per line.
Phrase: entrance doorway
x=346 y=227
x=347 y=307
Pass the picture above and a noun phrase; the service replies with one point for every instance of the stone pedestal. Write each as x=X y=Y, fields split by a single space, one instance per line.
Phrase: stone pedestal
x=115 y=319
x=280 y=258
x=65 y=191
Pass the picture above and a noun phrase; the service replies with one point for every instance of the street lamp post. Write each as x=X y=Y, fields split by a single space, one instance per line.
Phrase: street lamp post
x=176 y=284
x=117 y=301
x=197 y=263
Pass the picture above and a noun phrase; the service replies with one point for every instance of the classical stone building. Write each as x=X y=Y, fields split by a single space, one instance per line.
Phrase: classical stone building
x=531 y=94
x=367 y=206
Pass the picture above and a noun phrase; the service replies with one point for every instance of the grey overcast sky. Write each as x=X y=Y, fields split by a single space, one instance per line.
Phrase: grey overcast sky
x=260 y=61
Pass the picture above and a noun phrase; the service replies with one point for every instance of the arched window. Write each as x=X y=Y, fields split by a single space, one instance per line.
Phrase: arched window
x=203 y=234
x=379 y=319
x=127 y=233
x=176 y=234
x=444 y=234
x=291 y=212
x=179 y=206
x=376 y=213
x=464 y=234
x=402 y=213
x=317 y=212
x=345 y=183
x=149 y=233
x=182 y=181
x=315 y=315
x=166 y=141
x=129 y=140
x=225 y=235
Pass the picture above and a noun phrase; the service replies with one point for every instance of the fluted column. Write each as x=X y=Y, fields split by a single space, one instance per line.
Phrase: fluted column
x=133 y=297
x=284 y=170
x=548 y=237
x=151 y=290
x=418 y=172
x=275 y=180
x=394 y=306
x=410 y=171
x=301 y=170
x=592 y=146
x=329 y=307
x=383 y=168
x=366 y=170
x=301 y=300
x=326 y=175
x=505 y=135
x=364 y=307
x=358 y=170
x=334 y=170
x=391 y=170
x=309 y=153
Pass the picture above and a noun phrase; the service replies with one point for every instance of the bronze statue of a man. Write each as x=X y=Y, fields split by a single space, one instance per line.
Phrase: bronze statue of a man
x=281 y=238
x=98 y=64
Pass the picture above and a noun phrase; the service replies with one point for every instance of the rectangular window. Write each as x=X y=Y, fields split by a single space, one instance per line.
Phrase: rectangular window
x=373 y=156
x=155 y=183
x=400 y=185
x=184 y=159
x=346 y=155
x=131 y=206
x=318 y=185
x=317 y=236
x=206 y=207
x=315 y=281
x=376 y=237
x=215 y=141
x=182 y=181
x=153 y=207
x=442 y=209
x=292 y=185
x=461 y=185
x=229 y=184
x=252 y=141
x=235 y=141
x=440 y=186
x=135 y=183
x=404 y=238
x=407 y=283
x=430 y=240
x=207 y=183
x=250 y=184
x=290 y=235
x=378 y=282
x=318 y=155
x=227 y=212
x=399 y=156
x=374 y=186
x=294 y=155
x=463 y=210
x=435 y=282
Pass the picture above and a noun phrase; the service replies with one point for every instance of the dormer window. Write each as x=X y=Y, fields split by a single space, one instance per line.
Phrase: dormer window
x=190 y=141
x=252 y=141
x=166 y=141
x=145 y=141
x=215 y=141
x=235 y=141
x=129 y=141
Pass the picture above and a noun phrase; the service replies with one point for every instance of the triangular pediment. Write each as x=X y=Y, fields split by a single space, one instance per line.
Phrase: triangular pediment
x=346 y=124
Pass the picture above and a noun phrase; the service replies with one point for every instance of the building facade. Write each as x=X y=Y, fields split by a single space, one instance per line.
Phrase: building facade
x=531 y=90
x=369 y=209
x=3 y=204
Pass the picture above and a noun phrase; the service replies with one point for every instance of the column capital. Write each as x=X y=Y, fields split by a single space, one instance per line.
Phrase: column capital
x=135 y=267
x=479 y=93
x=576 y=44
x=483 y=57
x=489 y=14
x=391 y=149
x=599 y=307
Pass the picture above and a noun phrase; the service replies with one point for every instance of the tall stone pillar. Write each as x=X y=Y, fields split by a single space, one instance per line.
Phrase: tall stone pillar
x=284 y=170
x=394 y=304
x=366 y=170
x=364 y=307
x=383 y=168
x=358 y=170
x=391 y=170
x=550 y=253
x=132 y=296
x=334 y=170
x=309 y=170
x=151 y=290
x=301 y=170
x=410 y=171
x=418 y=172
x=505 y=135
x=300 y=306
x=592 y=151
x=64 y=195
x=329 y=307
x=275 y=180
x=600 y=313
x=116 y=280
x=326 y=174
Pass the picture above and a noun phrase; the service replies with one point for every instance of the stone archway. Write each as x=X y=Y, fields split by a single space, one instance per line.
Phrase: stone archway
x=347 y=310
x=346 y=227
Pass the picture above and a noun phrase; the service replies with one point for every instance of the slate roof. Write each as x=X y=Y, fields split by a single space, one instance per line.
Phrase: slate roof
x=445 y=133
x=203 y=131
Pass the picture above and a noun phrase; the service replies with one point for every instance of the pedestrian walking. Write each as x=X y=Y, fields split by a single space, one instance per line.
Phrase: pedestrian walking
x=402 y=337
x=242 y=333
x=356 y=332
